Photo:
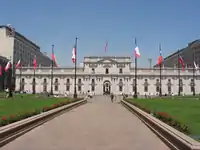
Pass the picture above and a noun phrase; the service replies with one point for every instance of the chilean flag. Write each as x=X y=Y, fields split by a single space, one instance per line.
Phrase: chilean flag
x=35 y=63
x=74 y=54
x=18 y=64
x=195 y=66
x=53 y=56
x=181 y=61
x=160 y=58
x=7 y=66
x=137 y=52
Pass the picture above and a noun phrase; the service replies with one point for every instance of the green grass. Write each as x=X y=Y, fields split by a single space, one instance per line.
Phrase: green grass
x=27 y=103
x=184 y=110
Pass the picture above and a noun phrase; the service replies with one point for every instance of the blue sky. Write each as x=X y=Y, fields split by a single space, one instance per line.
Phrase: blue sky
x=172 y=23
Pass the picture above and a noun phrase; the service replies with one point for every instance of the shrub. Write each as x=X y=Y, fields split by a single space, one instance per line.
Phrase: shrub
x=166 y=118
x=13 y=118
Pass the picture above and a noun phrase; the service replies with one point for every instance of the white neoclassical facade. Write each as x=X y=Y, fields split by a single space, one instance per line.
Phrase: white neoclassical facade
x=107 y=74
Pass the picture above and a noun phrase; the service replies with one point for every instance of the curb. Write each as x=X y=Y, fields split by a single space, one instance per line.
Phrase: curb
x=173 y=138
x=14 y=130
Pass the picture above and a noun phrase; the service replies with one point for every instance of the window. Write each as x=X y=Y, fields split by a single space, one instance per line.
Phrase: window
x=93 y=81
x=120 y=88
x=93 y=70
x=157 y=85
x=169 y=89
x=145 y=85
x=145 y=88
x=192 y=88
x=181 y=81
x=33 y=85
x=68 y=81
x=79 y=88
x=181 y=85
x=133 y=85
x=120 y=70
x=79 y=81
x=22 y=84
x=45 y=85
x=192 y=85
x=157 y=88
x=107 y=71
x=67 y=88
x=56 y=88
x=56 y=85
x=181 y=89
x=133 y=88
x=68 y=85
x=93 y=88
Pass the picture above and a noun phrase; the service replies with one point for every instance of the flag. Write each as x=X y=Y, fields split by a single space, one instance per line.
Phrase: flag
x=53 y=56
x=106 y=47
x=181 y=61
x=160 y=58
x=74 y=54
x=35 y=63
x=18 y=64
x=7 y=66
x=137 y=52
x=0 y=70
x=195 y=66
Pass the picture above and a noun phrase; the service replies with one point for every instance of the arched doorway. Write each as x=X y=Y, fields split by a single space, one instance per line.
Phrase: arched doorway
x=106 y=87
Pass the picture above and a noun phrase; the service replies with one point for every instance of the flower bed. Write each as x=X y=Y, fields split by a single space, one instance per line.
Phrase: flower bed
x=163 y=116
x=5 y=120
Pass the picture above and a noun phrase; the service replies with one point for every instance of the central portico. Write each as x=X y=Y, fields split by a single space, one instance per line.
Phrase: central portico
x=106 y=87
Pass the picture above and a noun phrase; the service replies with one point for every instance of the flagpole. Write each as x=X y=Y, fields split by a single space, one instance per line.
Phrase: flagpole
x=20 y=75
x=52 y=63
x=135 y=93
x=34 y=81
x=34 y=67
x=193 y=73
x=160 y=91
x=10 y=80
x=75 y=92
x=179 y=83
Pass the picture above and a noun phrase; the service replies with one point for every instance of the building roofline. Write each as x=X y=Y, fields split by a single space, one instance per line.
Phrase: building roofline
x=189 y=45
x=107 y=57
x=4 y=26
x=4 y=58
x=174 y=54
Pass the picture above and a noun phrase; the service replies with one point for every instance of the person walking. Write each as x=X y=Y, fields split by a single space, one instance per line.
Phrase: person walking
x=111 y=97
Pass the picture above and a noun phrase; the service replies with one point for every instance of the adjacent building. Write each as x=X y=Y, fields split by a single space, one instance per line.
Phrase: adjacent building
x=3 y=74
x=186 y=53
x=15 y=46
x=103 y=75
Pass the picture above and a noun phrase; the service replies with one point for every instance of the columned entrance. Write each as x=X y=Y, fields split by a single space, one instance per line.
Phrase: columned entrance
x=106 y=87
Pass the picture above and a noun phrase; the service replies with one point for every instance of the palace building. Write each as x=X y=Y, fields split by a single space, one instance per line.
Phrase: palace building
x=108 y=75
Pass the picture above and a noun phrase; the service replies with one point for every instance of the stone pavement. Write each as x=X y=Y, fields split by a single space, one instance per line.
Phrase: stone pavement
x=97 y=125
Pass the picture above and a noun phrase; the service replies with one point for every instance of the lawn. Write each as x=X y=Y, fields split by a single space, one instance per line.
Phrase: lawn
x=184 y=110
x=25 y=103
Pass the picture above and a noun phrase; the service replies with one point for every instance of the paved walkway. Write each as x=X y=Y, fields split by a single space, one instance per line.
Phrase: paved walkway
x=98 y=125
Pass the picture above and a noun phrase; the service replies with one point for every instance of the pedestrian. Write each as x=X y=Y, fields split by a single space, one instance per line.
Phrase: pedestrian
x=111 y=97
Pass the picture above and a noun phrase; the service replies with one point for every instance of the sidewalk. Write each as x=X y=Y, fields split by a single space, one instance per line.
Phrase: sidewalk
x=98 y=125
